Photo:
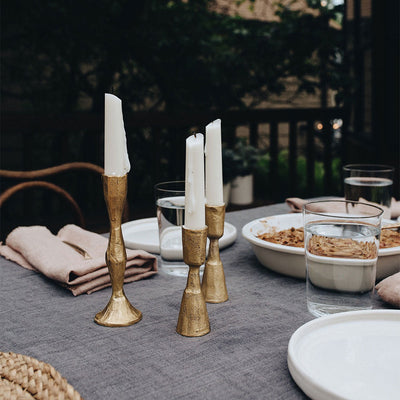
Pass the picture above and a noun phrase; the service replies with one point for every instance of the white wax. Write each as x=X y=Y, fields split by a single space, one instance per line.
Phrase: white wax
x=194 y=183
x=116 y=160
x=213 y=152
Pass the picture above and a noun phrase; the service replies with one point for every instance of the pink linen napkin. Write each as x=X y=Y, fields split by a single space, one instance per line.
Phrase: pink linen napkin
x=389 y=289
x=395 y=208
x=36 y=248
x=296 y=205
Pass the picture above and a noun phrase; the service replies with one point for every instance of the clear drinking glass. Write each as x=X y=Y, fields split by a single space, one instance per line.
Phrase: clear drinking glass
x=341 y=247
x=370 y=182
x=170 y=204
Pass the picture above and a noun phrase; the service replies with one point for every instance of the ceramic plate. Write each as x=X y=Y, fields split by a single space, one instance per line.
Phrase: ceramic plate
x=143 y=234
x=350 y=355
x=290 y=260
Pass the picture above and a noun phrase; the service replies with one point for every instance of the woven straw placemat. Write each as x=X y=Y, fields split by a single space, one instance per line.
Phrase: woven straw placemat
x=23 y=377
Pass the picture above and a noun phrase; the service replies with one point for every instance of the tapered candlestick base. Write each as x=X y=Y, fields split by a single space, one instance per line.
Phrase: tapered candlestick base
x=214 y=285
x=118 y=312
x=193 y=317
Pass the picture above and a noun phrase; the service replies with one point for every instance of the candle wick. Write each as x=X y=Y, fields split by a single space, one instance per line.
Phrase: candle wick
x=194 y=135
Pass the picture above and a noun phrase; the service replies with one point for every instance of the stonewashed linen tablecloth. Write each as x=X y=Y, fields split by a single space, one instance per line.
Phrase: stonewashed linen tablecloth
x=243 y=357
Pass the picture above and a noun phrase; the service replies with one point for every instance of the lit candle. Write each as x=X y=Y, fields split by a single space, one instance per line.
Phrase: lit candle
x=116 y=160
x=194 y=183
x=213 y=152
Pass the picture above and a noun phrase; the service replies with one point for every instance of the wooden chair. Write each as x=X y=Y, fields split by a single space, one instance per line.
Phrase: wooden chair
x=35 y=179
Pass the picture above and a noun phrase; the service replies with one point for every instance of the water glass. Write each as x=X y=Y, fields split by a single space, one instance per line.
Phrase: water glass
x=369 y=182
x=170 y=206
x=341 y=254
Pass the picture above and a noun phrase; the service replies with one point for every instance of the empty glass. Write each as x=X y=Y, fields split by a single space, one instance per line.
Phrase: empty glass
x=170 y=203
x=369 y=182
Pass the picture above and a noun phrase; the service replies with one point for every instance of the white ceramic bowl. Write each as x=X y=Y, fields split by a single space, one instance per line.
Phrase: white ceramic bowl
x=289 y=260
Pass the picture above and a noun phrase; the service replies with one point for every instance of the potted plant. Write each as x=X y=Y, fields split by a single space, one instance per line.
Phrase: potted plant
x=245 y=161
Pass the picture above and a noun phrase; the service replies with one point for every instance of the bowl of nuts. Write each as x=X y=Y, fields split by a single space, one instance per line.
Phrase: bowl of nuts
x=278 y=244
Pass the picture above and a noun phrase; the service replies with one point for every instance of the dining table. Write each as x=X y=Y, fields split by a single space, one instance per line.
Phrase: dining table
x=244 y=356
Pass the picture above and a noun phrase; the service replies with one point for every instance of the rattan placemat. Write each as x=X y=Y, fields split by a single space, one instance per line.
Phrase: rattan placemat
x=24 y=377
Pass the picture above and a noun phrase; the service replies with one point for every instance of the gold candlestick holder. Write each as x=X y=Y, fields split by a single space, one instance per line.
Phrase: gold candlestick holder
x=119 y=311
x=193 y=317
x=213 y=285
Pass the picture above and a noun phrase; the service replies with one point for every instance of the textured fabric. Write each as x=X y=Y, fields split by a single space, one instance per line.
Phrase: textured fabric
x=36 y=248
x=243 y=357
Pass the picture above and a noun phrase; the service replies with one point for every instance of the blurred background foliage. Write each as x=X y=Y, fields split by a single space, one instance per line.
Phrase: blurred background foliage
x=173 y=55
x=262 y=177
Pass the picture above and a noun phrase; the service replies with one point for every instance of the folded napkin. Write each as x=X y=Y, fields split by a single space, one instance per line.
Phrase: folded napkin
x=296 y=205
x=389 y=289
x=36 y=248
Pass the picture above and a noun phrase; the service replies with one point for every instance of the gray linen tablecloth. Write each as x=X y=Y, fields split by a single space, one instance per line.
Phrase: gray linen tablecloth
x=243 y=357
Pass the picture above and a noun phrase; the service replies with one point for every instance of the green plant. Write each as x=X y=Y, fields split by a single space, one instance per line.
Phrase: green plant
x=246 y=158
x=228 y=165
x=281 y=189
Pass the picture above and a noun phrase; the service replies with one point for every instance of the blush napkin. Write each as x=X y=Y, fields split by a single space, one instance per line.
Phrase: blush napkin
x=296 y=205
x=389 y=289
x=36 y=248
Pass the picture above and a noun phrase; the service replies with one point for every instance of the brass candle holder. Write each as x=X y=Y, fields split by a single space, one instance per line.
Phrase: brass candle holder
x=213 y=285
x=193 y=317
x=119 y=311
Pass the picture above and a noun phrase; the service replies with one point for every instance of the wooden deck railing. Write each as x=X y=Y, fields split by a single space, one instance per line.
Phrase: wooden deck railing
x=157 y=140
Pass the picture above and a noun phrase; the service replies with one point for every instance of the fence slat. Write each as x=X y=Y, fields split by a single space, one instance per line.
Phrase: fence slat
x=327 y=135
x=292 y=158
x=253 y=136
x=273 y=150
x=155 y=167
x=310 y=154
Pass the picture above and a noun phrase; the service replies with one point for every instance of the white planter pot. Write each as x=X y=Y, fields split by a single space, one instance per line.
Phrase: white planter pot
x=227 y=193
x=242 y=190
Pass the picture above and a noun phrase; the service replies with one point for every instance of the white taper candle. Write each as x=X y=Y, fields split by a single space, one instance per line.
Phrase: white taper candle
x=194 y=183
x=116 y=160
x=213 y=153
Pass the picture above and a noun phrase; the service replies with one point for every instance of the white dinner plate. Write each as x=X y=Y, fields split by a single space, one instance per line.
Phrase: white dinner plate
x=350 y=355
x=143 y=234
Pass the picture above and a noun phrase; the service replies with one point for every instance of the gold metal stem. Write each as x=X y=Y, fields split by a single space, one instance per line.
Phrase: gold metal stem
x=119 y=311
x=193 y=317
x=213 y=285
